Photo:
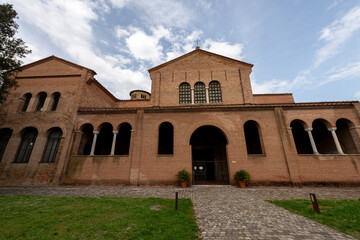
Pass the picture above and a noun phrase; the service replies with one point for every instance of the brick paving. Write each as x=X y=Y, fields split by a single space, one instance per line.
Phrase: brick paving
x=226 y=212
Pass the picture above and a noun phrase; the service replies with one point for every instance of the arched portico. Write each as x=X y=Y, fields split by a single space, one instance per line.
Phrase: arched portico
x=209 y=158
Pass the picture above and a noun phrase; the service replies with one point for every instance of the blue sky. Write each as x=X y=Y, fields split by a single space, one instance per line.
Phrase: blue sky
x=308 y=48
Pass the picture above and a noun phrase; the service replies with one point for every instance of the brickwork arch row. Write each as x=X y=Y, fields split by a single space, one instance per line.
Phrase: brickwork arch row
x=324 y=138
x=105 y=140
x=26 y=140
x=40 y=103
x=200 y=93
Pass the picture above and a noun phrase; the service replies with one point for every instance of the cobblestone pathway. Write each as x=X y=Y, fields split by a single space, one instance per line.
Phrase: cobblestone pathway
x=226 y=212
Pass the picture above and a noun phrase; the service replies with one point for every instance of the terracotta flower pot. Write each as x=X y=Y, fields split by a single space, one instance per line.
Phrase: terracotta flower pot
x=242 y=184
x=183 y=184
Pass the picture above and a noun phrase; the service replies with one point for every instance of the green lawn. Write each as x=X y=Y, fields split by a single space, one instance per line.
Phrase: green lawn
x=40 y=217
x=343 y=215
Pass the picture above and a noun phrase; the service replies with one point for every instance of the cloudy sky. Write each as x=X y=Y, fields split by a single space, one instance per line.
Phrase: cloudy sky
x=309 y=48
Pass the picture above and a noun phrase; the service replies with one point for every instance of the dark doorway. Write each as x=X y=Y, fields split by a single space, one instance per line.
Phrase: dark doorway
x=208 y=145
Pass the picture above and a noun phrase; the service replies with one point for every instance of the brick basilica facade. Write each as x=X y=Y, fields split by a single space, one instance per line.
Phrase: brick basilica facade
x=61 y=126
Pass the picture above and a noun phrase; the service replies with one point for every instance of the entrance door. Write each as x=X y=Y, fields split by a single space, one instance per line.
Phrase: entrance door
x=209 y=156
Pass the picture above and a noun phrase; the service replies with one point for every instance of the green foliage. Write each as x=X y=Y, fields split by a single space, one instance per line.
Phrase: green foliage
x=11 y=49
x=343 y=215
x=39 y=217
x=242 y=175
x=183 y=176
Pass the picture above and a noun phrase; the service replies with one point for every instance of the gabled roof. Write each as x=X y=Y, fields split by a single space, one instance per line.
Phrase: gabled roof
x=196 y=51
x=58 y=59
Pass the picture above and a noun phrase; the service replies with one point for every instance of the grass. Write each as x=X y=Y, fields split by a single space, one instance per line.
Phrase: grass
x=343 y=215
x=40 y=217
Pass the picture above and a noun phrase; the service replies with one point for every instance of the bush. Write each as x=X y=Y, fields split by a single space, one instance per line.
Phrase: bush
x=183 y=176
x=242 y=175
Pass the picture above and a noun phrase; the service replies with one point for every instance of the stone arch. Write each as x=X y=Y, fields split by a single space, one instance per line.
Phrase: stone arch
x=28 y=139
x=5 y=135
x=209 y=157
x=301 y=137
x=54 y=102
x=24 y=104
x=40 y=101
x=123 y=138
x=199 y=93
x=322 y=136
x=54 y=136
x=104 y=139
x=166 y=138
x=347 y=136
x=253 y=137
x=87 y=137
x=184 y=93
x=215 y=92
x=199 y=124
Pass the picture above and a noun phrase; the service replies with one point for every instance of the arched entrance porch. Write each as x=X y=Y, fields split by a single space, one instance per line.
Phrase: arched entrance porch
x=209 y=158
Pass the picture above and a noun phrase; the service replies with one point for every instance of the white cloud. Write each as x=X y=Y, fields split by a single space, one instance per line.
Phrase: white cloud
x=145 y=47
x=336 y=34
x=120 y=3
x=224 y=48
x=349 y=71
x=121 y=32
x=159 y=12
x=271 y=86
x=334 y=4
x=357 y=94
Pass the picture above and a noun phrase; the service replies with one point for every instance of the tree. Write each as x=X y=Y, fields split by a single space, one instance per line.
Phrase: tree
x=11 y=49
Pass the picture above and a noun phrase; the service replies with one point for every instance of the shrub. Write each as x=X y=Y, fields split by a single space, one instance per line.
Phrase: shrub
x=183 y=176
x=242 y=175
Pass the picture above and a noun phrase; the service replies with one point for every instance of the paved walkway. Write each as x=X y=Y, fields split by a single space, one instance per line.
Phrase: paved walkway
x=226 y=212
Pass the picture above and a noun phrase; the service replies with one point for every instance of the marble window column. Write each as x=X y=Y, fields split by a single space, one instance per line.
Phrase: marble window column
x=336 y=140
x=192 y=96
x=207 y=94
x=113 y=143
x=313 y=145
x=94 y=143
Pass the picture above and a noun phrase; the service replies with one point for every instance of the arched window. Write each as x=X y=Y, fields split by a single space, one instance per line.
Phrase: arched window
x=26 y=99
x=184 y=93
x=104 y=140
x=346 y=136
x=166 y=138
x=301 y=137
x=26 y=146
x=41 y=97
x=52 y=146
x=87 y=137
x=215 y=92
x=322 y=136
x=5 y=135
x=123 y=139
x=55 y=101
x=252 y=137
x=199 y=93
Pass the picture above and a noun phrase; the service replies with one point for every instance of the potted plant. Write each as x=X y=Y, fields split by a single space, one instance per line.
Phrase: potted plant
x=184 y=178
x=242 y=177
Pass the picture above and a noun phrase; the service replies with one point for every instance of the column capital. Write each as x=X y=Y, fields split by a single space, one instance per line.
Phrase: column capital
x=332 y=129
x=115 y=132
x=80 y=132
x=308 y=129
x=96 y=132
x=132 y=130
x=206 y=87
x=289 y=128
